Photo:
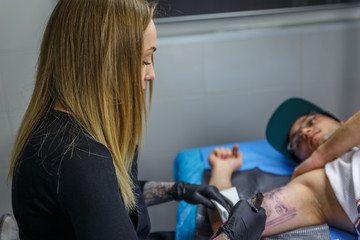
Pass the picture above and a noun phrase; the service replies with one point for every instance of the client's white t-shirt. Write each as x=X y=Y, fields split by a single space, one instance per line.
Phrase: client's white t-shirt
x=344 y=176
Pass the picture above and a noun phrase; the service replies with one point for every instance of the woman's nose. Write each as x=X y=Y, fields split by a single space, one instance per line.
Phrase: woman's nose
x=150 y=74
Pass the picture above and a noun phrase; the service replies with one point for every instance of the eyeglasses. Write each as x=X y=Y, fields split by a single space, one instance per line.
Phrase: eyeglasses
x=297 y=137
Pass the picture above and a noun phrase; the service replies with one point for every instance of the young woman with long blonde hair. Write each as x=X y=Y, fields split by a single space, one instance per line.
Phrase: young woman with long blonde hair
x=74 y=165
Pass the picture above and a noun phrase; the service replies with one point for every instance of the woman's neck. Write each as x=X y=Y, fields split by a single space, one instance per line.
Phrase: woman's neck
x=59 y=107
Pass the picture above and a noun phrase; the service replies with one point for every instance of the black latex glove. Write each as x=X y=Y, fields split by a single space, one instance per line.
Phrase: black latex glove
x=199 y=194
x=246 y=221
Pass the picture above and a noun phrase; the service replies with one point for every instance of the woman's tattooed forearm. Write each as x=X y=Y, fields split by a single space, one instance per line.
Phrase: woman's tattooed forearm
x=157 y=192
x=278 y=211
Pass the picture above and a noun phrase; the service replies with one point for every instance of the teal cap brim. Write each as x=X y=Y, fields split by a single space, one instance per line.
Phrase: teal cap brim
x=282 y=120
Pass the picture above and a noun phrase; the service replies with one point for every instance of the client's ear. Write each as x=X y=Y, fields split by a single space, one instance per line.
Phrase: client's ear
x=342 y=122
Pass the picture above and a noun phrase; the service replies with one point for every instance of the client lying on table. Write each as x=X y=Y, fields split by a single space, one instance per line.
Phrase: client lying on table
x=312 y=198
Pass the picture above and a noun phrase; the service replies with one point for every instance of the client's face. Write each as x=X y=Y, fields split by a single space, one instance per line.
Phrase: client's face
x=310 y=131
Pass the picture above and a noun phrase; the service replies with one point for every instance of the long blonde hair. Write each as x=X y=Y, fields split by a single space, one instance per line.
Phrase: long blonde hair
x=90 y=63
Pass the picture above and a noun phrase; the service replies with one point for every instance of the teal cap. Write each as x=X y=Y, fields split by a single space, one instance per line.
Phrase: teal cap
x=283 y=118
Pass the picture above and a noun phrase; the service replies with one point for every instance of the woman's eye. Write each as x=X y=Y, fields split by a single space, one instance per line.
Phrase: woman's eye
x=146 y=63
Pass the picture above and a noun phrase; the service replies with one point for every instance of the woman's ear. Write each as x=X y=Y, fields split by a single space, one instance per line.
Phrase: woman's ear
x=342 y=122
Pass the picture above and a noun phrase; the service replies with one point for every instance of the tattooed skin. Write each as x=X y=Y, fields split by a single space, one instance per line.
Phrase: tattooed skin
x=157 y=192
x=277 y=210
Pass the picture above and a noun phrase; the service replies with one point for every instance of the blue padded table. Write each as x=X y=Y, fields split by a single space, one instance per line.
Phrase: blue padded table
x=190 y=165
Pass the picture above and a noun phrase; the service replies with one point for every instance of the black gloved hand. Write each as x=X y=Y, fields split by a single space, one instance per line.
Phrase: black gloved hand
x=199 y=194
x=246 y=221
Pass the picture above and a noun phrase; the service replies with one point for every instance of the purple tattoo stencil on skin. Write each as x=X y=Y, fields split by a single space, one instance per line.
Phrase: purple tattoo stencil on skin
x=278 y=211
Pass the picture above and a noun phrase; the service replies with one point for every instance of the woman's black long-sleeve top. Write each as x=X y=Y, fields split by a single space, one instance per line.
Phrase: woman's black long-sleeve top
x=65 y=187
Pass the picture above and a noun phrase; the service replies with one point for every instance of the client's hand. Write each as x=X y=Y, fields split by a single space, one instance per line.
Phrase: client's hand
x=246 y=222
x=199 y=194
x=226 y=158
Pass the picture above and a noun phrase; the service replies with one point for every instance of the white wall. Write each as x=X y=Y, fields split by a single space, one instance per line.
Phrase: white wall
x=217 y=81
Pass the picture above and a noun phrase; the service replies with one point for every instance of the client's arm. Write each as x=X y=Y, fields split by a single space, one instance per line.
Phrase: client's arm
x=223 y=163
x=345 y=138
x=246 y=220
x=305 y=201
